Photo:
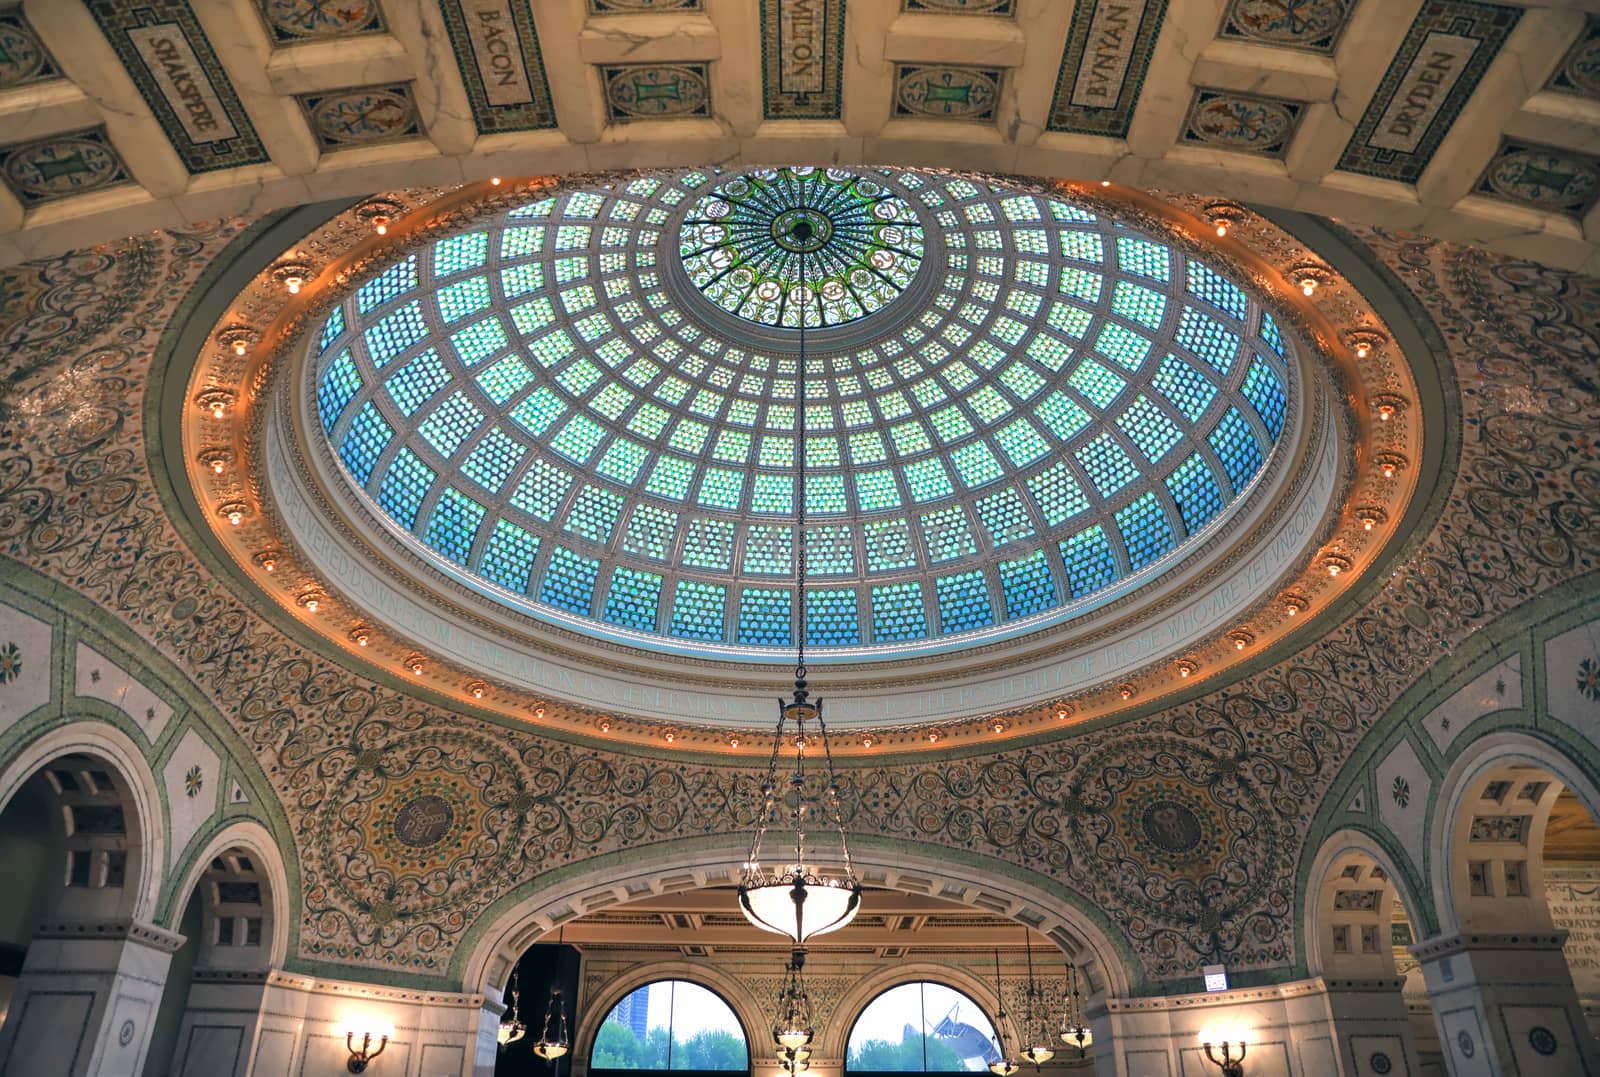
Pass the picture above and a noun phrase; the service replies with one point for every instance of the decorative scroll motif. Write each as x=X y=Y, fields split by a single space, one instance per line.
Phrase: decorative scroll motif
x=23 y=57
x=167 y=54
x=656 y=91
x=1245 y=122
x=1579 y=72
x=61 y=165
x=1544 y=177
x=78 y=503
x=1356 y=900
x=1313 y=25
x=1104 y=64
x=802 y=58
x=1500 y=828
x=291 y=21
x=362 y=116
x=1445 y=53
x=945 y=92
x=497 y=50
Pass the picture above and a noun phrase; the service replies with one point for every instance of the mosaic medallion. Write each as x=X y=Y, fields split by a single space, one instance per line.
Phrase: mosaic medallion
x=1542 y=1040
x=962 y=7
x=423 y=821
x=60 y=166
x=361 y=117
x=1243 y=122
x=23 y=59
x=315 y=20
x=1543 y=177
x=125 y=1033
x=770 y=242
x=1589 y=679
x=10 y=663
x=1464 y=1042
x=946 y=93
x=656 y=91
x=1379 y=1063
x=1171 y=826
x=1300 y=24
x=642 y=7
x=1176 y=824
x=1579 y=72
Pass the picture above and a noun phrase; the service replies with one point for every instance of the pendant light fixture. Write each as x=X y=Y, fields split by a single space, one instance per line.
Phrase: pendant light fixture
x=554 y=1040
x=1003 y=1065
x=791 y=898
x=511 y=1027
x=1074 y=1029
x=792 y=1030
x=1035 y=1029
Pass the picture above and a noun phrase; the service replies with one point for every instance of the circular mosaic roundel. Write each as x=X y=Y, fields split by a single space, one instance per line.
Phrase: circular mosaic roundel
x=1171 y=826
x=423 y=821
x=1542 y=1040
x=1379 y=1063
x=1059 y=409
x=775 y=245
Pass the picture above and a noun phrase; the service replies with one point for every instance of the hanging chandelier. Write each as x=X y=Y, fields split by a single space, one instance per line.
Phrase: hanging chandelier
x=1074 y=1029
x=1035 y=1025
x=554 y=1041
x=790 y=897
x=1003 y=1065
x=792 y=1031
x=511 y=1027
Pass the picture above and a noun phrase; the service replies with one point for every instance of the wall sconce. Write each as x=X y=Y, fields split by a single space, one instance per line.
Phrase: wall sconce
x=1231 y=1046
x=360 y=1056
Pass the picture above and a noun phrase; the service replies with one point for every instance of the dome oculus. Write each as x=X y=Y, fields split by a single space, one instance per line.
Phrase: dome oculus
x=758 y=240
x=1064 y=410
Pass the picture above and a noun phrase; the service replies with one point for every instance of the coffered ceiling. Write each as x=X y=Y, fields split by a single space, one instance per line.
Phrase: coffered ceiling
x=1470 y=121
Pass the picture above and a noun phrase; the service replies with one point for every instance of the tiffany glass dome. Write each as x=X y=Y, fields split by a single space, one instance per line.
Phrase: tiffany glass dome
x=586 y=408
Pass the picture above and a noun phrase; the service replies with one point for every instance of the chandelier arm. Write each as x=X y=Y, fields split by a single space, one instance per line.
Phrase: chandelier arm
x=832 y=793
x=768 y=803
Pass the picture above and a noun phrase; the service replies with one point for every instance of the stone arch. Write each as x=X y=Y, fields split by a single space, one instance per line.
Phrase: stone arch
x=251 y=839
x=835 y=1039
x=1350 y=862
x=485 y=959
x=139 y=800
x=745 y=1006
x=1487 y=831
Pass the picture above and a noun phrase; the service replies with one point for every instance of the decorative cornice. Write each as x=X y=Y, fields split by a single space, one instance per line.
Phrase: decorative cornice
x=1468 y=942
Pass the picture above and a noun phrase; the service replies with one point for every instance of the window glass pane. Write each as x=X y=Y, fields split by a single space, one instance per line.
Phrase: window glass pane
x=921 y=1028
x=670 y=1025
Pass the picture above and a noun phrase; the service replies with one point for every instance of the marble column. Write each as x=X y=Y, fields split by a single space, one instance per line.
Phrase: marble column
x=87 y=998
x=1505 y=1005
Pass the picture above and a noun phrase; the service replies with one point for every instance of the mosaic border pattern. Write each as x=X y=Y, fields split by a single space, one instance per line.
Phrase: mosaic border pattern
x=1450 y=45
x=517 y=99
x=182 y=81
x=1123 y=57
x=820 y=31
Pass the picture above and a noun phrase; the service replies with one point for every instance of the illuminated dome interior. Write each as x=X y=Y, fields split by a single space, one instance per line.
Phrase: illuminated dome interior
x=1016 y=409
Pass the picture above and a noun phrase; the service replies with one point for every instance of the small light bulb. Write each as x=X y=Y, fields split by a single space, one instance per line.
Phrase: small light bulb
x=1063 y=714
x=669 y=736
x=217 y=465
x=1222 y=227
x=239 y=346
x=293 y=283
x=1308 y=285
x=1105 y=183
x=416 y=668
x=605 y=723
x=733 y=742
x=311 y=604
x=1385 y=412
x=234 y=517
x=477 y=692
x=218 y=410
x=380 y=224
x=1293 y=608
x=1366 y=524
x=1238 y=643
x=269 y=564
x=867 y=742
x=538 y=712
x=1333 y=570
x=998 y=727
x=1127 y=693
x=1388 y=471
x=362 y=639
x=494 y=181
x=1363 y=349
x=1183 y=671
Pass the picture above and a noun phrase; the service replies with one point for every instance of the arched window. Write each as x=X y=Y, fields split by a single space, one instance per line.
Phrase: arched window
x=920 y=1028
x=671 y=1025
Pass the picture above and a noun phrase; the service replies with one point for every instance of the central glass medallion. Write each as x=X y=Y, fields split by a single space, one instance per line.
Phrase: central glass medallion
x=763 y=241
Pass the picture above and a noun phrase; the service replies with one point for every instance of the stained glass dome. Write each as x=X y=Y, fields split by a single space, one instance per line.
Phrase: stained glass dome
x=1036 y=408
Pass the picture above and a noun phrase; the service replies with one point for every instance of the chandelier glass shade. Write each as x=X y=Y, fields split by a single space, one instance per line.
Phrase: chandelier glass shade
x=511 y=1027
x=554 y=1041
x=1002 y=1065
x=1074 y=1030
x=1035 y=1026
x=791 y=898
x=792 y=1030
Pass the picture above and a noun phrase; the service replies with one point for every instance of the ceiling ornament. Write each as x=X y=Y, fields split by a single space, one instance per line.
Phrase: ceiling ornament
x=1333 y=324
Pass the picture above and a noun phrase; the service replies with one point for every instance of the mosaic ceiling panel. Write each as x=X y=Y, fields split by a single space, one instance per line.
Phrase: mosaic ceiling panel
x=1065 y=405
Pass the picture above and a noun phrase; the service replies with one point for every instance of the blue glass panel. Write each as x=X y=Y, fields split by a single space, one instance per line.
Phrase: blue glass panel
x=650 y=532
x=331 y=328
x=593 y=513
x=1271 y=334
x=364 y=442
x=769 y=549
x=542 y=490
x=1089 y=561
x=457 y=253
x=1148 y=427
x=831 y=618
x=1055 y=490
x=569 y=581
x=889 y=545
x=395 y=281
x=415 y=383
x=633 y=599
x=698 y=610
x=1265 y=392
x=493 y=460
x=709 y=544
x=1107 y=465
x=1027 y=585
x=480 y=340
x=450 y=424
x=389 y=339
x=1206 y=338
x=1126 y=347
x=462 y=298
x=830 y=551
x=963 y=602
x=898 y=612
x=1139 y=304
x=1194 y=491
x=505 y=379
x=1005 y=517
x=508 y=556
x=1147 y=259
x=948 y=534
x=454 y=524
x=404 y=486
x=340 y=382
x=1216 y=290
x=1145 y=531
x=1235 y=445
x=764 y=616
x=1185 y=387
